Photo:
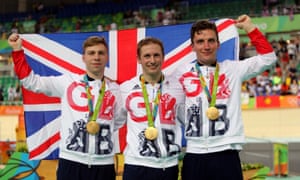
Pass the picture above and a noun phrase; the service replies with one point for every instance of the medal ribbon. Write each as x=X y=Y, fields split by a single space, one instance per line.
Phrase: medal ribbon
x=151 y=115
x=93 y=115
x=210 y=97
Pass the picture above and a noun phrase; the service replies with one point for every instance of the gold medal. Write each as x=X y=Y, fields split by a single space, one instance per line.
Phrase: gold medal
x=151 y=133
x=212 y=113
x=92 y=127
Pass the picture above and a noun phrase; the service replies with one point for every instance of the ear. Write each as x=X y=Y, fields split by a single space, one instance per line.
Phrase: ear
x=83 y=58
x=139 y=60
x=193 y=47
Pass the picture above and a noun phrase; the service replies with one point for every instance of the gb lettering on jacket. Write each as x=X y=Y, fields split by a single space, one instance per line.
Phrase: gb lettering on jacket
x=197 y=103
x=80 y=104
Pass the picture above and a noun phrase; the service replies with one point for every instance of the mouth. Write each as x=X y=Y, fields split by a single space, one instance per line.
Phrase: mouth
x=96 y=64
x=206 y=53
x=152 y=67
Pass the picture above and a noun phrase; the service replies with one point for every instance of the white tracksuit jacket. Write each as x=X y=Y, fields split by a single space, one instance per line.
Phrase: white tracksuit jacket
x=75 y=143
x=227 y=132
x=162 y=152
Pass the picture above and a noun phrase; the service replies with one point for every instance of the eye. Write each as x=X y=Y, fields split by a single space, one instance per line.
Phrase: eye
x=200 y=41
x=101 y=53
x=147 y=56
x=212 y=41
x=157 y=55
x=91 y=52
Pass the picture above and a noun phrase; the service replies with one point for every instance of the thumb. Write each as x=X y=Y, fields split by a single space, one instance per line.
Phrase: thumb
x=14 y=40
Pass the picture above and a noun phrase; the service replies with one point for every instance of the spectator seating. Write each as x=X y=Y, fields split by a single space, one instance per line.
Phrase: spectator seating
x=5 y=83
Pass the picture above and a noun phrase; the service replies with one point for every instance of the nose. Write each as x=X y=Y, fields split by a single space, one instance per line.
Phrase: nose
x=206 y=45
x=97 y=56
x=152 y=59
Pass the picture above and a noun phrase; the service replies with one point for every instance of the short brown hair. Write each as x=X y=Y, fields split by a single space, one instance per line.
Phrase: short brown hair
x=203 y=25
x=94 y=40
x=149 y=40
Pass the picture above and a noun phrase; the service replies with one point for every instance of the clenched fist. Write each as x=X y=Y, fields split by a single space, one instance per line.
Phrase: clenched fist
x=244 y=22
x=15 y=41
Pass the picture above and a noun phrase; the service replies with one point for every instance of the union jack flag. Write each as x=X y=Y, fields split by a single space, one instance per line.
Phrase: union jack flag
x=55 y=54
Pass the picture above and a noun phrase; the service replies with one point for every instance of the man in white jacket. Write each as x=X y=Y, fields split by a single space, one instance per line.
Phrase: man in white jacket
x=89 y=105
x=213 y=123
x=153 y=128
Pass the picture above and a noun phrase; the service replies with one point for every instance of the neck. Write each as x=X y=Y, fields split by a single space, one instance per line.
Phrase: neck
x=153 y=79
x=95 y=77
x=207 y=63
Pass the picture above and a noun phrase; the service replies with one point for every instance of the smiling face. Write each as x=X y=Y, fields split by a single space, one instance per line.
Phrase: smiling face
x=151 y=58
x=205 y=44
x=205 y=41
x=95 y=57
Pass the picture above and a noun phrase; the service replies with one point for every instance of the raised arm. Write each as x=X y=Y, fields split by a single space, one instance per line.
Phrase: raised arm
x=257 y=38
x=21 y=66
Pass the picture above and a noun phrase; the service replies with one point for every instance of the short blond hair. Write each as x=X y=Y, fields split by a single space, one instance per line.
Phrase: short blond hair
x=94 y=40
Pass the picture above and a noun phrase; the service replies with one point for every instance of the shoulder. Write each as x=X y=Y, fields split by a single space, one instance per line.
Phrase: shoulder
x=111 y=84
x=108 y=79
x=172 y=84
x=68 y=77
x=229 y=63
x=180 y=70
x=130 y=84
x=171 y=78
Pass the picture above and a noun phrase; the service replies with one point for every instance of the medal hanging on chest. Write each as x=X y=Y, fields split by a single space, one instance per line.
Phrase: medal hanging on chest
x=92 y=126
x=212 y=112
x=151 y=132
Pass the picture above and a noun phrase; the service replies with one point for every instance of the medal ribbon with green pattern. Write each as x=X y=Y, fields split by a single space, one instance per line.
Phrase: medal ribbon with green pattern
x=210 y=97
x=151 y=115
x=93 y=115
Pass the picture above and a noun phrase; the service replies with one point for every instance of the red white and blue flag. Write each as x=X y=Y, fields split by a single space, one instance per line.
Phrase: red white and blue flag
x=55 y=54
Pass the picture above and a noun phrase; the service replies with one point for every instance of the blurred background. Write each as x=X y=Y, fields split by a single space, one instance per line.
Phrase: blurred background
x=271 y=100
